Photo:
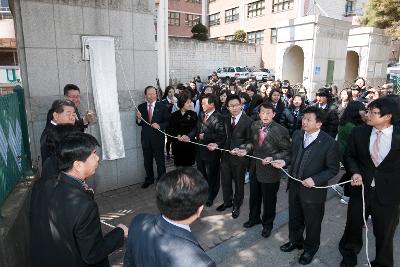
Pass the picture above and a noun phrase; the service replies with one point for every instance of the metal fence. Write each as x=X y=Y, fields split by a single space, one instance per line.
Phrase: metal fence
x=395 y=79
x=15 y=158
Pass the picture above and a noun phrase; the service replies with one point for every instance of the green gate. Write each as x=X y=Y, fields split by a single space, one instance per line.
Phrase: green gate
x=395 y=79
x=15 y=158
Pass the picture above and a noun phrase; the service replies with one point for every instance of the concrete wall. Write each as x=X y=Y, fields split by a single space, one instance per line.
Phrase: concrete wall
x=49 y=47
x=7 y=29
x=189 y=57
x=14 y=227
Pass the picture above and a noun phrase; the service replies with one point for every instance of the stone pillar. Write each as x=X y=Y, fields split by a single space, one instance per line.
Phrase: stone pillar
x=162 y=43
x=50 y=54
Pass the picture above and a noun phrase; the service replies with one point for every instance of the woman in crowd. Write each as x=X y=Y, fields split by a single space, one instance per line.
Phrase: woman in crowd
x=255 y=99
x=292 y=116
x=344 y=98
x=275 y=99
x=353 y=115
x=245 y=98
x=373 y=93
x=170 y=101
x=264 y=90
x=222 y=99
x=182 y=122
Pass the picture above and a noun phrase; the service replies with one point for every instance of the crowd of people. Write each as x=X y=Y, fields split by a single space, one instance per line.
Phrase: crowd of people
x=272 y=123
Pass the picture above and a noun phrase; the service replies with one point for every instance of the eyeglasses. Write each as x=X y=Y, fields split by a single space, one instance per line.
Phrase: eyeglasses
x=373 y=112
x=234 y=106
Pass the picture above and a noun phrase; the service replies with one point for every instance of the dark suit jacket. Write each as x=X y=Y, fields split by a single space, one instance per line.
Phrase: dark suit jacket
x=320 y=162
x=154 y=242
x=358 y=160
x=65 y=226
x=276 y=145
x=149 y=135
x=238 y=137
x=214 y=132
x=44 y=151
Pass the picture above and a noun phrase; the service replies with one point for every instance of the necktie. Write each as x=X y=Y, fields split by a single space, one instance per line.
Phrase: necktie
x=375 y=149
x=261 y=135
x=307 y=139
x=205 y=117
x=150 y=112
x=233 y=124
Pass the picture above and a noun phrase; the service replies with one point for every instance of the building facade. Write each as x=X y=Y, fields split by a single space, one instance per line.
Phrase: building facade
x=258 y=18
x=9 y=70
x=183 y=15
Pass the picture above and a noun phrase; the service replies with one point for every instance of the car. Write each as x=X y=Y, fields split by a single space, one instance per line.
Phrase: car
x=262 y=74
x=393 y=68
x=232 y=73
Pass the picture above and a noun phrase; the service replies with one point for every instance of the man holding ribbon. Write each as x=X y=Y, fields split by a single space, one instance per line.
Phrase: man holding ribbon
x=314 y=161
x=373 y=158
x=269 y=141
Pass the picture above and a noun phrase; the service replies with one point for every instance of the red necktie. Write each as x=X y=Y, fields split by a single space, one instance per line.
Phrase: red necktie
x=233 y=124
x=261 y=135
x=375 y=149
x=205 y=117
x=150 y=112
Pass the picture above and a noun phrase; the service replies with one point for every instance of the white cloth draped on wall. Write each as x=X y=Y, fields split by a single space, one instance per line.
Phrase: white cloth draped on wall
x=104 y=84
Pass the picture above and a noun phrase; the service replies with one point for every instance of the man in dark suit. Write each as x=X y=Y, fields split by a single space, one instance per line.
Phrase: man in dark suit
x=269 y=141
x=65 y=222
x=166 y=239
x=73 y=93
x=210 y=131
x=233 y=168
x=157 y=115
x=373 y=158
x=61 y=112
x=314 y=160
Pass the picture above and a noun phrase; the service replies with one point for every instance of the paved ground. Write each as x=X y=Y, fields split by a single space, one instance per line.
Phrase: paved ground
x=224 y=238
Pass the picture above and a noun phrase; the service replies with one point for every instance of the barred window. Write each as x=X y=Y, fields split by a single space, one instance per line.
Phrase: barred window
x=213 y=19
x=192 y=20
x=282 y=5
x=256 y=9
x=255 y=37
x=348 y=9
x=232 y=14
x=173 y=18
x=274 y=35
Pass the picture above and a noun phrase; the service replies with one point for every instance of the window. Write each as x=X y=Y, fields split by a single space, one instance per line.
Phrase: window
x=173 y=18
x=255 y=9
x=232 y=14
x=210 y=1
x=255 y=37
x=348 y=10
x=192 y=20
x=282 y=5
x=194 y=1
x=5 y=12
x=213 y=19
x=273 y=35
